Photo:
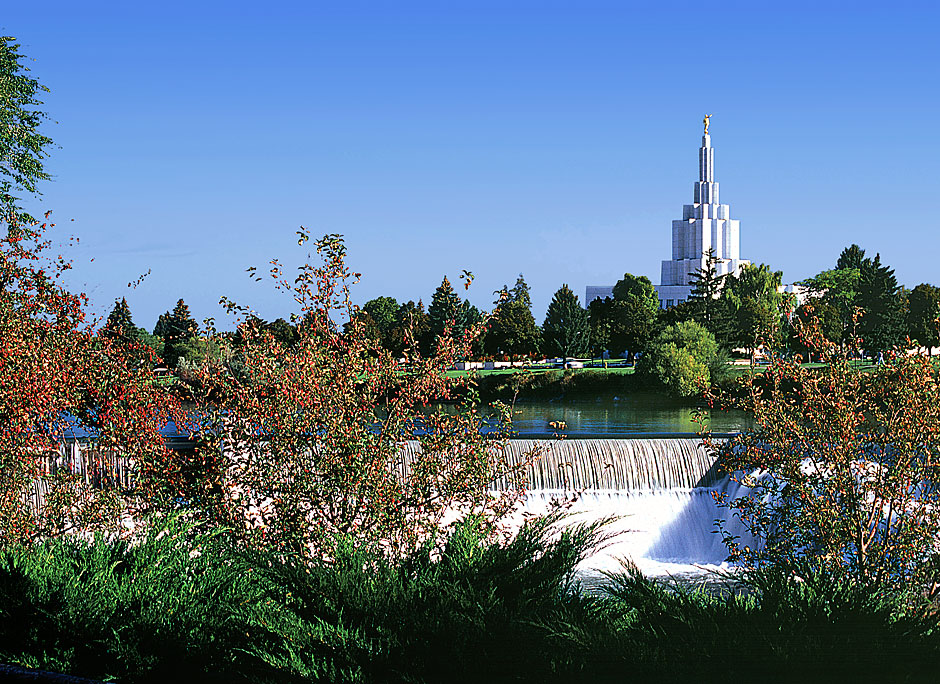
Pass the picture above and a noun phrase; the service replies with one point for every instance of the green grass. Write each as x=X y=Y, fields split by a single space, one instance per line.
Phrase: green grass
x=187 y=606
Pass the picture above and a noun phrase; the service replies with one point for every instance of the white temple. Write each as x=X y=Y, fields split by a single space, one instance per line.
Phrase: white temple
x=705 y=224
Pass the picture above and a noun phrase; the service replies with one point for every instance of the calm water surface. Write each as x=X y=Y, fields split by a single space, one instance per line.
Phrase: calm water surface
x=613 y=416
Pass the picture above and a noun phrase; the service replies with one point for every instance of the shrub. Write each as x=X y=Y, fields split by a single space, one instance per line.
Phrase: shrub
x=302 y=444
x=680 y=359
x=842 y=471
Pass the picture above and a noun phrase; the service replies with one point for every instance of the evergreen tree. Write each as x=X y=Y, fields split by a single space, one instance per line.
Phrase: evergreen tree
x=923 y=316
x=521 y=294
x=882 y=326
x=566 y=331
x=444 y=313
x=852 y=256
x=706 y=288
x=177 y=330
x=120 y=324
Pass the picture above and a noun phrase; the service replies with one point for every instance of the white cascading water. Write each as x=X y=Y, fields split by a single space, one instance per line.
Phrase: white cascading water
x=660 y=490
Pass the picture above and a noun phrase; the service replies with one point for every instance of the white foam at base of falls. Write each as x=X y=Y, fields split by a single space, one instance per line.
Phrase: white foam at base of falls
x=664 y=532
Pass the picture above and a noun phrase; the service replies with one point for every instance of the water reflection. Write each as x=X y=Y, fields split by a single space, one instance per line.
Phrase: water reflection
x=622 y=416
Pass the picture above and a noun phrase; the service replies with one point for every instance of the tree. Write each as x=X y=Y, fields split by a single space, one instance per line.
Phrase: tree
x=566 y=331
x=840 y=472
x=706 y=289
x=814 y=327
x=839 y=288
x=680 y=359
x=411 y=331
x=513 y=330
x=177 y=330
x=120 y=324
x=382 y=311
x=22 y=146
x=923 y=316
x=633 y=314
x=444 y=313
x=852 y=257
x=638 y=287
x=882 y=326
x=752 y=304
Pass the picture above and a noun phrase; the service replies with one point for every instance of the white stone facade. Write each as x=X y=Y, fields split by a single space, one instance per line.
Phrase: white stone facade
x=592 y=292
x=705 y=224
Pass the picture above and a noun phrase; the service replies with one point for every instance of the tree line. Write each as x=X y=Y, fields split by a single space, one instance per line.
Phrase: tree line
x=857 y=303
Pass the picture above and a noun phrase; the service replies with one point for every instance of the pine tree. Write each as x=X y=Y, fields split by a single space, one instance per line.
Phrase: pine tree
x=120 y=324
x=521 y=293
x=882 y=326
x=706 y=288
x=852 y=256
x=177 y=329
x=566 y=330
x=444 y=313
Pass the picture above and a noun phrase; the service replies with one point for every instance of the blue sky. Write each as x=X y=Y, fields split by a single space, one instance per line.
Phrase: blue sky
x=556 y=139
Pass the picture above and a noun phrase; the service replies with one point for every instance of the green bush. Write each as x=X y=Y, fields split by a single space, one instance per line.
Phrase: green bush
x=191 y=607
x=680 y=359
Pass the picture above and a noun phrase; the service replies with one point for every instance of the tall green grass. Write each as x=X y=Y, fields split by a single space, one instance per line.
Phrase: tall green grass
x=188 y=606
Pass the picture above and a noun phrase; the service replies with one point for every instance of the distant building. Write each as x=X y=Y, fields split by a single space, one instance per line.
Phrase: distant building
x=592 y=292
x=705 y=224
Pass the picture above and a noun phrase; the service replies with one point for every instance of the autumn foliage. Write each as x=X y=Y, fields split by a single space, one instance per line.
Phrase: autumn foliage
x=842 y=468
x=326 y=438
x=59 y=380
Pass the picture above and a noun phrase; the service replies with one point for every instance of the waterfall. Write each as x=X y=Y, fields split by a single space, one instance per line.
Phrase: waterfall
x=660 y=490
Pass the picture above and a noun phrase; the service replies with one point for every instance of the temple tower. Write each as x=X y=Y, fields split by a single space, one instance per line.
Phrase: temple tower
x=705 y=224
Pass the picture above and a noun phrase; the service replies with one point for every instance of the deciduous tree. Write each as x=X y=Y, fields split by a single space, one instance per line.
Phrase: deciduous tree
x=23 y=147
x=923 y=315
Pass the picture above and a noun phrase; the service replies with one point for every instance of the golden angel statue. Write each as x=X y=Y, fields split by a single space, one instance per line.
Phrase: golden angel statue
x=706 y=121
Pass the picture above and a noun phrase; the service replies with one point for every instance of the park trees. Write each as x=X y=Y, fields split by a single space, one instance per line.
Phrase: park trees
x=22 y=145
x=178 y=330
x=923 y=315
x=881 y=298
x=566 y=331
x=411 y=326
x=625 y=322
x=512 y=329
x=815 y=325
x=633 y=315
x=444 y=314
x=704 y=302
x=753 y=307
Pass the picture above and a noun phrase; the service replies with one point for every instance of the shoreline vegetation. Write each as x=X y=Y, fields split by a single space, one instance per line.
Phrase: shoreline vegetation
x=188 y=604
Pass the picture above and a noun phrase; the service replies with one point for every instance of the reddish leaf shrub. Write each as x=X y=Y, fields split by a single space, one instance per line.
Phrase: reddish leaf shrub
x=56 y=373
x=844 y=468
x=304 y=439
